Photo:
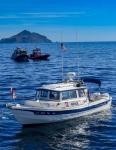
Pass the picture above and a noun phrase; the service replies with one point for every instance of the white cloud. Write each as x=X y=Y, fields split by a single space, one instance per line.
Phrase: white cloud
x=58 y=13
x=43 y=15
x=54 y=14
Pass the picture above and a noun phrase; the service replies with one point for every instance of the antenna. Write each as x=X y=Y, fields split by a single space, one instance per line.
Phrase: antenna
x=77 y=57
x=71 y=75
x=62 y=61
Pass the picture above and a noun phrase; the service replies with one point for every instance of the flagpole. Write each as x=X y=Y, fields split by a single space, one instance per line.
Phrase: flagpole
x=62 y=62
x=77 y=57
x=62 y=66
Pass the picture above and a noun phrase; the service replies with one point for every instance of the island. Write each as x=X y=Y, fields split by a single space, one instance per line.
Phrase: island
x=26 y=37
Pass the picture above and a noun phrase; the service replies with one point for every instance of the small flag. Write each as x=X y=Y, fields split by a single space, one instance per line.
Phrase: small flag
x=13 y=94
x=62 y=47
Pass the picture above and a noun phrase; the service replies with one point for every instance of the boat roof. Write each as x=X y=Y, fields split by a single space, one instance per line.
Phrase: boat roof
x=69 y=85
x=20 y=49
x=92 y=80
x=61 y=87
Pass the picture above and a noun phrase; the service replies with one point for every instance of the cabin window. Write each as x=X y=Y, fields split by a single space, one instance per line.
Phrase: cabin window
x=81 y=93
x=37 y=94
x=73 y=94
x=44 y=94
x=68 y=95
x=54 y=95
x=65 y=95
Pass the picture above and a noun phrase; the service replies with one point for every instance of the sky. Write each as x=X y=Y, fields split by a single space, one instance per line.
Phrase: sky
x=62 y=20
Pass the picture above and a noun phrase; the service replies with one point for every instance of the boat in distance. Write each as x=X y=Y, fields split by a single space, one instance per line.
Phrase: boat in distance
x=20 y=55
x=36 y=54
x=61 y=101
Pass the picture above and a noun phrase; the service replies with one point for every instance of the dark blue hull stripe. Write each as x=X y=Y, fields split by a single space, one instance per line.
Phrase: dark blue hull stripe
x=65 y=111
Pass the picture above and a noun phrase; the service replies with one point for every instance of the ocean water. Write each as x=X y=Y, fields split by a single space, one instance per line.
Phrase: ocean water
x=93 y=132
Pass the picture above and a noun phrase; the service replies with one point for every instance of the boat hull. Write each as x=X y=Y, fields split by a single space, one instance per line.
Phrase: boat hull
x=42 y=57
x=21 y=58
x=30 y=115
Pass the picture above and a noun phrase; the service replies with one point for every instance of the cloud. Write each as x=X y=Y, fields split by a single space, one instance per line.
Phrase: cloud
x=43 y=15
x=54 y=14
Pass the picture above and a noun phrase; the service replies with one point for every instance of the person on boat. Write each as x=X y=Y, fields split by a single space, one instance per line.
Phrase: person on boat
x=51 y=95
x=57 y=96
x=81 y=93
x=38 y=50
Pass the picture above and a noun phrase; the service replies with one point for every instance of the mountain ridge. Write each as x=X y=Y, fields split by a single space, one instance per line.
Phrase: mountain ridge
x=26 y=37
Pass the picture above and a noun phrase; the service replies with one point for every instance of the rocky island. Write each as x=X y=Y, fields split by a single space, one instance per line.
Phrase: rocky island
x=26 y=37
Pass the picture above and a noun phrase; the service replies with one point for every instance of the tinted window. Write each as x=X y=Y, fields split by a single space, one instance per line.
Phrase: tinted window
x=73 y=94
x=37 y=94
x=54 y=95
x=81 y=93
x=69 y=95
x=65 y=95
x=43 y=93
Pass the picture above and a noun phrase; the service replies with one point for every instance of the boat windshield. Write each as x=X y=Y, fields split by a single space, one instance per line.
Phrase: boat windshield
x=43 y=94
x=69 y=95
x=54 y=95
x=47 y=95
x=81 y=93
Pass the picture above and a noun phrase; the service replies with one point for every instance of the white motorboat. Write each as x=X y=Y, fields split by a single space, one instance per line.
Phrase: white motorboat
x=61 y=101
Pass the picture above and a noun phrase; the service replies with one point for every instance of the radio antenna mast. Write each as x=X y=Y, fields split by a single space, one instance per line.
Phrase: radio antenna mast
x=62 y=62
x=77 y=56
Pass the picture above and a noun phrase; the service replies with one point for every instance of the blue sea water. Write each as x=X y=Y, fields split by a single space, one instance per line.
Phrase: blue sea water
x=93 y=132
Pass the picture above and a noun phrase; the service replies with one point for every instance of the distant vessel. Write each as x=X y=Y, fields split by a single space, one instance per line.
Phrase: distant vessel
x=20 y=55
x=38 y=55
x=61 y=101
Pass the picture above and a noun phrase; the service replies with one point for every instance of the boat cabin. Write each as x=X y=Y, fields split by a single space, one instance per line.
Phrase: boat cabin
x=20 y=51
x=61 y=92
x=36 y=51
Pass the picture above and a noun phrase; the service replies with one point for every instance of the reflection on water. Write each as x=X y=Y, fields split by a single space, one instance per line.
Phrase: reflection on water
x=73 y=134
